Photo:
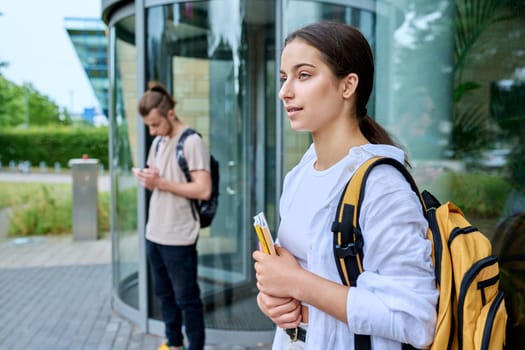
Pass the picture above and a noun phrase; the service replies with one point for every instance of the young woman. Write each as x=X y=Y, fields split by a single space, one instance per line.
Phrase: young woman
x=327 y=72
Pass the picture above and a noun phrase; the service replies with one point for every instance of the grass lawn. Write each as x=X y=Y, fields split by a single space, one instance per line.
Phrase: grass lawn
x=44 y=208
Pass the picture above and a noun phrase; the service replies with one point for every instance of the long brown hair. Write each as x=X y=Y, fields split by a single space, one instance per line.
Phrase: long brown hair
x=345 y=50
x=156 y=97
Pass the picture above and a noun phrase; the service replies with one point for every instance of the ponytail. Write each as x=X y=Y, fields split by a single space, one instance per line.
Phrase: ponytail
x=156 y=97
x=376 y=134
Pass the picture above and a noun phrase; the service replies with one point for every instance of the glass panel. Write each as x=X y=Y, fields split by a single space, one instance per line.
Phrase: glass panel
x=463 y=119
x=416 y=107
x=299 y=13
x=268 y=127
x=124 y=157
x=487 y=137
x=450 y=87
x=200 y=51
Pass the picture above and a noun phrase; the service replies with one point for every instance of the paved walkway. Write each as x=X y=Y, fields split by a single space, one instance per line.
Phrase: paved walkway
x=49 y=177
x=55 y=293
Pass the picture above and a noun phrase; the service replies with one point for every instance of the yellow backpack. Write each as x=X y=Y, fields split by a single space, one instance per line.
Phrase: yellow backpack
x=471 y=312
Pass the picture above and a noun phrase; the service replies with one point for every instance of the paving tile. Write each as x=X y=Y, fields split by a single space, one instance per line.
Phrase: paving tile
x=56 y=294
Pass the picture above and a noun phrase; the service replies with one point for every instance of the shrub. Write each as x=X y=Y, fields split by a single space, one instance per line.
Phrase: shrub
x=41 y=209
x=46 y=212
x=480 y=194
x=54 y=144
x=126 y=210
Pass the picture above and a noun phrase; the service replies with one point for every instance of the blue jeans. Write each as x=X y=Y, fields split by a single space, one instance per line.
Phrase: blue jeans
x=174 y=272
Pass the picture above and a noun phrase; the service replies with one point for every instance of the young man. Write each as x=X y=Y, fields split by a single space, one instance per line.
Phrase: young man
x=172 y=229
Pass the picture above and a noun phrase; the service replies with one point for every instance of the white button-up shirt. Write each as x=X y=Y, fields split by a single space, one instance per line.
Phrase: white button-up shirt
x=395 y=298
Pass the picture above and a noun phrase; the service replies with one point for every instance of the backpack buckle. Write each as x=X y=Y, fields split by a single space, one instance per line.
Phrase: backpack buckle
x=351 y=248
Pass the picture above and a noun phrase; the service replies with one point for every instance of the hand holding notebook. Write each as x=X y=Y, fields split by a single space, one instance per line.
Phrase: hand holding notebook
x=263 y=233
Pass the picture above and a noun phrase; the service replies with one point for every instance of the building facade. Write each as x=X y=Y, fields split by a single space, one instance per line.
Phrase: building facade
x=88 y=36
x=446 y=86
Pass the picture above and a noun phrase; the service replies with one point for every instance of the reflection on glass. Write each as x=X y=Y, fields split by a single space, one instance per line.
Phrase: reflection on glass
x=124 y=150
x=415 y=107
x=463 y=120
x=489 y=114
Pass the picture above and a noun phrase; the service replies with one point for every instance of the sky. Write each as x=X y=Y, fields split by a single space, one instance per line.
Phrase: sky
x=35 y=44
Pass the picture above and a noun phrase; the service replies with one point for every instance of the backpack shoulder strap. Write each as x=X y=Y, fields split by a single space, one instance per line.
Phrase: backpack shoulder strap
x=348 y=239
x=183 y=164
x=157 y=145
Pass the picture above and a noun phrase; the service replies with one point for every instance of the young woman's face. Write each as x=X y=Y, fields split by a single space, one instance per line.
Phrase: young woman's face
x=312 y=95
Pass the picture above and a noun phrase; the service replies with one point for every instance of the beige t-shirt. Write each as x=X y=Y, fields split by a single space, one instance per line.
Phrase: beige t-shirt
x=170 y=220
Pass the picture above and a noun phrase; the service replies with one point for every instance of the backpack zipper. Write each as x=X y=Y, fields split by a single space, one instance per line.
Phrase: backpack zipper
x=459 y=231
x=487 y=330
x=465 y=284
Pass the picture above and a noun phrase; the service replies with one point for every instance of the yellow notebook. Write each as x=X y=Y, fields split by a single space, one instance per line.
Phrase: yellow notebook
x=263 y=233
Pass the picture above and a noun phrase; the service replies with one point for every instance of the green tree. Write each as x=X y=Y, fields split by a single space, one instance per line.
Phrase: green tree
x=65 y=117
x=11 y=104
x=40 y=109
x=24 y=105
